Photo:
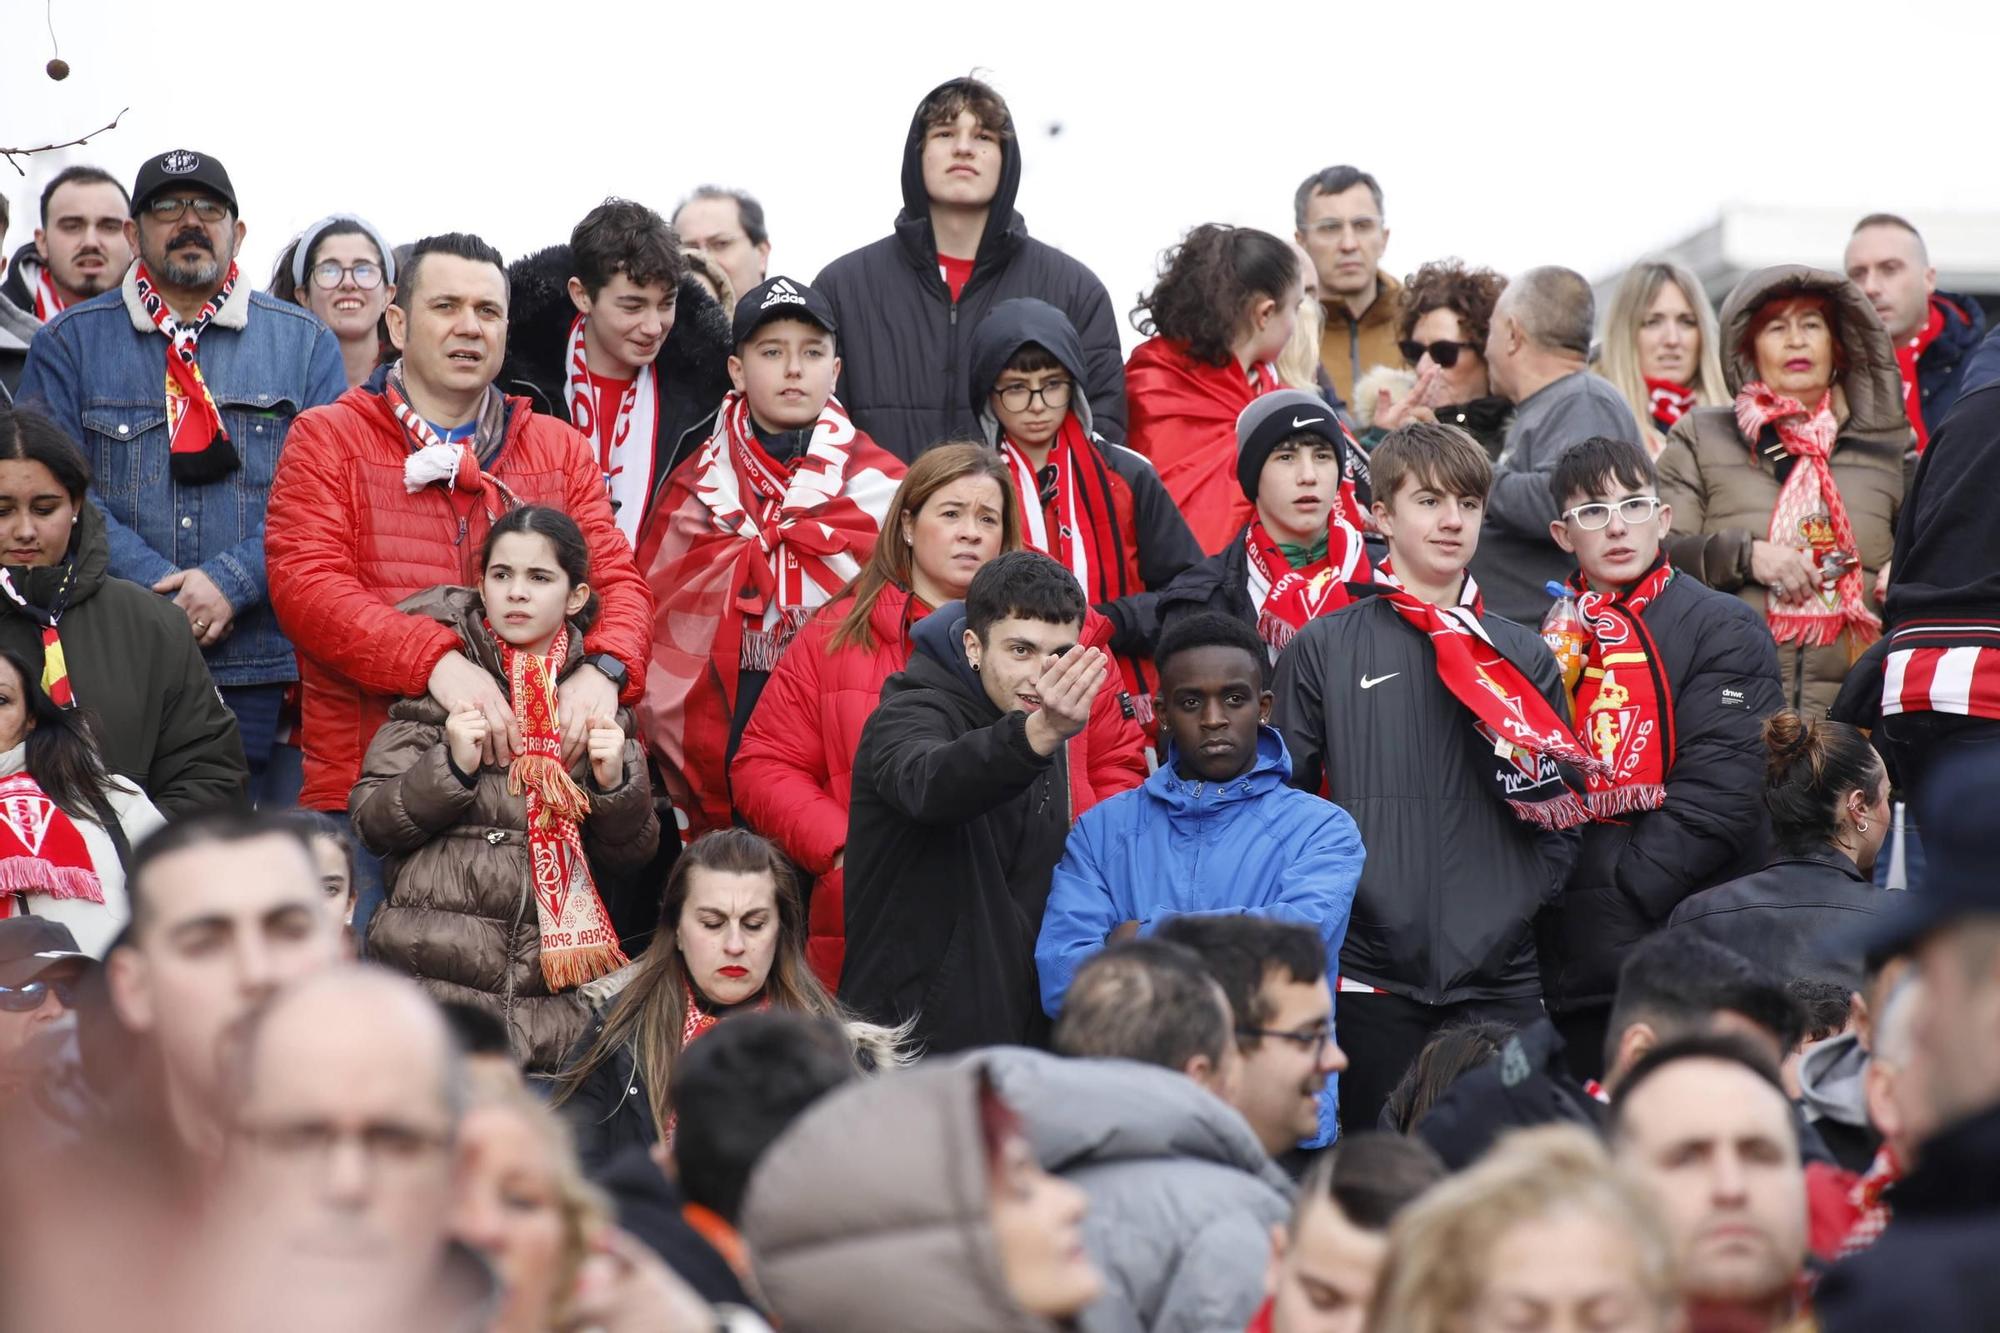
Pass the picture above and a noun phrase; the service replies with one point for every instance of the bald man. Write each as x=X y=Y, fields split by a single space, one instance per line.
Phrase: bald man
x=344 y=1163
x=1536 y=353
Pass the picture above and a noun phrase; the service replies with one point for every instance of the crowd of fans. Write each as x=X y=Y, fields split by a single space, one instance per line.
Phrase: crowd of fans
x=628 y=791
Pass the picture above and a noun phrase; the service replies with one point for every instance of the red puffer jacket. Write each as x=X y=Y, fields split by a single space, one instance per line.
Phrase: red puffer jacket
x=344 y=542
x=794 y=768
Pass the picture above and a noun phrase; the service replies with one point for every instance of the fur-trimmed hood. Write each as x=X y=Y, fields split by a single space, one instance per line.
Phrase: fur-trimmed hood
x=1871 y=382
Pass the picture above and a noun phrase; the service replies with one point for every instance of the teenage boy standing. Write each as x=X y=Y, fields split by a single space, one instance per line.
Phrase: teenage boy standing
x=612 y=335
x=960 y=808
x=775 y=515
x=910 y=301
x=1674 y=692
x=1440 y=728
x=1097 y=508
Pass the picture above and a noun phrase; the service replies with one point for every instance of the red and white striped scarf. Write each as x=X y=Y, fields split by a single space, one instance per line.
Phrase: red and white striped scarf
x=1866 y=1197
x=435 y=461
x=48 y=301
x=1943 y=667
x=198 y=447
x=1054 y=526
x=1809 y=513
x=1667 y=401
x=625 y=452
x=1286 y=598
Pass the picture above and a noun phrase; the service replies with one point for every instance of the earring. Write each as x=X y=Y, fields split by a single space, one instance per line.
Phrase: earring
x=1860 y=826
x=908 y=540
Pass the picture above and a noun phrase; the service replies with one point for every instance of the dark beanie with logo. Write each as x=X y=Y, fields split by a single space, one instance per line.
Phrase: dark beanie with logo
x=1272 y=419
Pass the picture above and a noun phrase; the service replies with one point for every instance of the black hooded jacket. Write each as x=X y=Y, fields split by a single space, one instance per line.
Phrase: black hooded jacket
x=1150 y=536
x=905 y=345
x=692 y=371
x=954 y=829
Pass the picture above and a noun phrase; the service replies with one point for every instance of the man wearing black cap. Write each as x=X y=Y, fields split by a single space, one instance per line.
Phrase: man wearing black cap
x=1933 y=1267
x=776 y=514
x=1303 y=545
x=39 y=968
x=180 y=389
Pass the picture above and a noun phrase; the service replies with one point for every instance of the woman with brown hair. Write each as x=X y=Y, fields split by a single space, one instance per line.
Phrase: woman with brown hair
x=790 y=778
x=1443 y=313
x=1788 y=496
x=731 y=937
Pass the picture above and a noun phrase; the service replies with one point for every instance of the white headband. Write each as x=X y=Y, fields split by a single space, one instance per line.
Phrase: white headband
x=310 y=237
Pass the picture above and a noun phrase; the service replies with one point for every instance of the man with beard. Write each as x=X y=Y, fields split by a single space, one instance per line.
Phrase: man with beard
x=79 y=250
x=180 y=388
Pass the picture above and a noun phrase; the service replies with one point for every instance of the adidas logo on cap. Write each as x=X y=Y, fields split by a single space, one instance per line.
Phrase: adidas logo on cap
x=782 y=293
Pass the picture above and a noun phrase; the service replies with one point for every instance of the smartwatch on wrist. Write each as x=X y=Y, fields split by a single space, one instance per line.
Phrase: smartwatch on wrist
x=613 y=669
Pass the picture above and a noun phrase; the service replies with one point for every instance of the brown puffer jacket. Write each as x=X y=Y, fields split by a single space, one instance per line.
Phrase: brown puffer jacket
x=460 y=917
x=1723 y=491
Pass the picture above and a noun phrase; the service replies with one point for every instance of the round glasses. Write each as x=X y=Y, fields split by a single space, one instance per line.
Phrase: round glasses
x=171 y=209
x=327 y=274
x=1443 y=352
x=1016 y=397
x=1632 y=511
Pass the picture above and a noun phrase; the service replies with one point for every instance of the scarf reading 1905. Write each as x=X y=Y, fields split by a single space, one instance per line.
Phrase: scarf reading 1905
x=1513 y=723
x=578 y=943
x=1624 y=706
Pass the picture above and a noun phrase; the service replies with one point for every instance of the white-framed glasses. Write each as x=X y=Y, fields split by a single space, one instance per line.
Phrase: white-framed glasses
x=1632 y=511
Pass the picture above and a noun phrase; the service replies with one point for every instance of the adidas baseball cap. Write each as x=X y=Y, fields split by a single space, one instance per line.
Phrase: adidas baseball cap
x=1273 y=418
x=177 y=169
x=781 y=298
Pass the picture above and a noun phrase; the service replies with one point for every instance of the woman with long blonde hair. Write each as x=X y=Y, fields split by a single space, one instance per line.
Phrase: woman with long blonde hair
x=1662 y=347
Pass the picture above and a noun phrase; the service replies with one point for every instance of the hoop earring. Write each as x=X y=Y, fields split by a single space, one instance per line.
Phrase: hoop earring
x=1860 y=826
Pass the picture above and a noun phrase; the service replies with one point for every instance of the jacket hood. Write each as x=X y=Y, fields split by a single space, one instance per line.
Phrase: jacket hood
x=540 y=313
x=1830 y=1081
x=940 y=637
x=91 y=549
x=22 y=268
x=17 y=327
x=1964 y=323
x=1270 y=770
x=1007 y=328
x=1094 y=1112
x=883 y=1176
x=1004 y=228
x=1871 y=382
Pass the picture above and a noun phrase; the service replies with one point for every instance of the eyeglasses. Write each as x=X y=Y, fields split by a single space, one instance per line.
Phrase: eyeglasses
x=170 y=209
x=1313 y=1041
x=327 y=274
x=30 y=997
x=311 y=1142
x=1016 y=397
x=1632 y=511
x=1443 y=352
x=1362 y=227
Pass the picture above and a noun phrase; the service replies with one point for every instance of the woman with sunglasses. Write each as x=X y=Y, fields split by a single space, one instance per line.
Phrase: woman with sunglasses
x=342 y=270
x=1444 y=310
x=1662 y=348
x=67 y=825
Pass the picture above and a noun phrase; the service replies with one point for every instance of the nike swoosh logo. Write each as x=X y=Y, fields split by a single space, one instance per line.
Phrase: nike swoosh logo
x=1369 y=684
x=1306 y=421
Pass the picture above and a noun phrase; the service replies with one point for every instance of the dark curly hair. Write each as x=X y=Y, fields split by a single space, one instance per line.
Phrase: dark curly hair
x=1207 y=281
x=1447 y=284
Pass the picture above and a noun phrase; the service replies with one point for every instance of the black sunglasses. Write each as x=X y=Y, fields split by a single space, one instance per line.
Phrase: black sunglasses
x=26 y=999
x=1443 y=352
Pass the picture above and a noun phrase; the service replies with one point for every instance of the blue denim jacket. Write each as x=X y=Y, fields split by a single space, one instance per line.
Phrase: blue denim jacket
x=99 y=370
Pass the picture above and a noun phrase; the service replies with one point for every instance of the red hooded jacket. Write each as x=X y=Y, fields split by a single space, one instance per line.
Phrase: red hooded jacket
x=1183 y=417
x=794 y=769
x=344 y=542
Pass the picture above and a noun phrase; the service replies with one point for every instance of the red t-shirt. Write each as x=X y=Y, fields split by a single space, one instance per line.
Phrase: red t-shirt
x=956 y=272
x=606 y=394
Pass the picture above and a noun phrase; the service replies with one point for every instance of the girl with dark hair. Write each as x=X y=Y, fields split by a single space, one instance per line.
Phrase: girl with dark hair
x=67 y=826
x=1216 y=322
x=342 y=270
x=492 y=896
x=101 y=643
x=731 y=938
x=1828 y=794
x=334 y=857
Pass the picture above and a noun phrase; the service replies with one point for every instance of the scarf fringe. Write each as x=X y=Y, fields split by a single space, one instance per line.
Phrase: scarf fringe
x=554 y=789
x=763 y=647
x=566 y=969
x=1562 y=812
x=26 y=874
x=1810 y=630
x=1273 y=630
x=1632 y=800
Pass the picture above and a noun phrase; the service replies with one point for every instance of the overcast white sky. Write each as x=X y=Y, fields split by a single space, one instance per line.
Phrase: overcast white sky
x=1508 y=132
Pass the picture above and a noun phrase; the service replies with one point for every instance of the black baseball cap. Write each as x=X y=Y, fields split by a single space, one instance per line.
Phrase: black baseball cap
x=781 y=298
x=178 y=169
x=1961 y=841
x=31 y=945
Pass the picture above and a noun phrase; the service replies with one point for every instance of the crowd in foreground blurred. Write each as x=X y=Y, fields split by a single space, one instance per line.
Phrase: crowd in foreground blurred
x=629 y=791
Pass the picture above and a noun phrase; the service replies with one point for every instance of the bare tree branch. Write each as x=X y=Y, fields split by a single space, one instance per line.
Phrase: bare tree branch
x=12 y=153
